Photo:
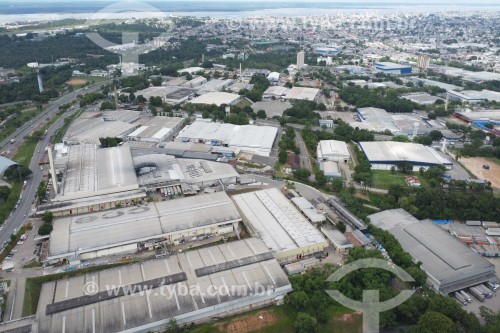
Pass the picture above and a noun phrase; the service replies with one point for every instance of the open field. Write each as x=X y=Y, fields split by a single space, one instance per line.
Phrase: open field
x=475 y=166
x=384 y=179
x=281 y=319
x=76 y=82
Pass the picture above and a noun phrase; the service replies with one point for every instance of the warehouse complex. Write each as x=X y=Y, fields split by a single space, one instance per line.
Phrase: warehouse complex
x=95 y=179
x=384 y=155
x=130 y=230
x=284 y=230
x=379 y=120
x=450 y=265
x=189 y=287
x=258 y=140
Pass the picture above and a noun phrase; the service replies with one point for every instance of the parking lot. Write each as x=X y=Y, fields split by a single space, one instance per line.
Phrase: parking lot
x=492 y=303
x=25 y=251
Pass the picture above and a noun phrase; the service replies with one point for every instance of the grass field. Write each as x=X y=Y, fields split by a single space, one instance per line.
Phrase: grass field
x=384 y=179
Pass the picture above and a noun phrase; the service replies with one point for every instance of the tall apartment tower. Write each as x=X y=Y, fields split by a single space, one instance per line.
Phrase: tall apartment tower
x=300 y=59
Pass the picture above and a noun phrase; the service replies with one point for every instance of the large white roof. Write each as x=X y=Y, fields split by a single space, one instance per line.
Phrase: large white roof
x=444 y=257
x=391 y=151
x=303 y=93
x=101 y=230
x=334 y=148
x=240 y=137
x=280 y=225
x=217 y=98
x=91 y=171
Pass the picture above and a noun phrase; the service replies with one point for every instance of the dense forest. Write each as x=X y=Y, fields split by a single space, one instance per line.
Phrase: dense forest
x=385 y=99
x=18 y=51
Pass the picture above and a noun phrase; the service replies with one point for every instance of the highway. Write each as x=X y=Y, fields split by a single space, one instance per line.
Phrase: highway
x=19 y=215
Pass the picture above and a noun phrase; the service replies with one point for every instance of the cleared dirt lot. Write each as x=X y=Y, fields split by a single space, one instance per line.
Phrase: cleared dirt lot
x=249 y=323
x=76 y=82
x=475 y=165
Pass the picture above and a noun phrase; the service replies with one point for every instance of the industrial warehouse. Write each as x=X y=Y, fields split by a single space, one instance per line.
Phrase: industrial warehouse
x=257 y=140
x=384 y=155
x=161 y=224
x=450 y=265
x=156 y=129
x=94 y=179
x=90 y=126
x=195 y=286
x=284 y=230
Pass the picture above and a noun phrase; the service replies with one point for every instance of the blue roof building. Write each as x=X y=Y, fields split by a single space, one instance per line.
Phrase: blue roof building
x=392 y=68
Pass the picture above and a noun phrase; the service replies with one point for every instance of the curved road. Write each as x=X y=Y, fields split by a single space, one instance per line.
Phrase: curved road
x=19 y=215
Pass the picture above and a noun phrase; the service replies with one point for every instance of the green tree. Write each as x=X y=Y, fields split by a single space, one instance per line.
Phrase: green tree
x=107 y=105
x=48 y=217
x=282 y=156
x=433 y=322
x=298 y=300
x=305 y=323
x=141 y=99
x=436 y=135
x=261 y=114
x=302 y=174
x=4 y=193
x=41 y=191
x=45 y=229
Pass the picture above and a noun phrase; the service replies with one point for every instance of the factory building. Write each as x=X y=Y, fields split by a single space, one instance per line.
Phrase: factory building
x=392 y=68
x=284 y=230
x=171 y=93
x=159 y=170
x=138 y=228
x=214 y=85
x=339 y=242
x=333 y=150
x=257 y=140
x=190 y=287
x=90 y=126
x=325 y=50
x=217 y=98
x=88 y=171
x=93 y=179
x=309 y=211
x=299 y=93
x=384 y=155
x=156 y=129
x=473 y=96
x=450 y=265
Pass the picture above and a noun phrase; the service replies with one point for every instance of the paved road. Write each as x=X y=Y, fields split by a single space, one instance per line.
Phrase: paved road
x=305 y=159
x=23 y=210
